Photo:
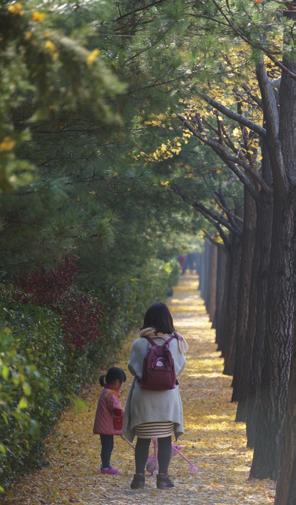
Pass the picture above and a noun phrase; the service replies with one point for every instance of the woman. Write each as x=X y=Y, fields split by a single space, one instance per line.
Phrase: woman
x=154 y=413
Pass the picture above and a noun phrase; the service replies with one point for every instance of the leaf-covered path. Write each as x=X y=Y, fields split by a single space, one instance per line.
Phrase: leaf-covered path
x=212 y=440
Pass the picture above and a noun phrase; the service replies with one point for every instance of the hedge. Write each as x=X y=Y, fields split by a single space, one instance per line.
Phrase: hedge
x=41 y=369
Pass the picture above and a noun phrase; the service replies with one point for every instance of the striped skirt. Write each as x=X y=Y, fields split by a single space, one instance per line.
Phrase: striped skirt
x=159 y=429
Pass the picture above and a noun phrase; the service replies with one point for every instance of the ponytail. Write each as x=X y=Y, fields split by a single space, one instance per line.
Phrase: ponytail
x=112 y=375
x=102 y=380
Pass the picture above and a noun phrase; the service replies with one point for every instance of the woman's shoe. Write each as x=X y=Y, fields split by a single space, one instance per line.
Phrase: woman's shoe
x=138 y=481
x=163 y=481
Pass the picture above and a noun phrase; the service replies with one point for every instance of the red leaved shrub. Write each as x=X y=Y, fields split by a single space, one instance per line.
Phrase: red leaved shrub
x=80 y=312
x=46 y=286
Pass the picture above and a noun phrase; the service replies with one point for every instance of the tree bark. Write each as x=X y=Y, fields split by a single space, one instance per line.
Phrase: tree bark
x=205 y=286
x=286 y=485
x=256 y=332
x=201 y=272
x=209 y=266
x=236 y=355
x=281 y=291
x=279 y=332
x=232 y=303
x=221 y=293
x=213 y=281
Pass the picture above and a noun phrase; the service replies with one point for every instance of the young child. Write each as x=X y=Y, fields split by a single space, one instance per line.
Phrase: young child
x=109 y=416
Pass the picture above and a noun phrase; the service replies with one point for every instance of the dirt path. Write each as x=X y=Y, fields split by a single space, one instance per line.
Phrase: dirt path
x=213 y=441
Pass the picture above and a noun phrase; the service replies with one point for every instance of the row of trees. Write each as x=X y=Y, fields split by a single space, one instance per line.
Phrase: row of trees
x=245 y=115
x=247 y=276
x=238 y=172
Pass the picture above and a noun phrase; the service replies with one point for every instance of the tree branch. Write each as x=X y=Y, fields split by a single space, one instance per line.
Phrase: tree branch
x=214 y=241
x=271 y=116
x=256 y=45
x=255 y=98
x=212 y=215
x=233 y=115
x=230 y=161
x=140 y=9
x=235 y=220
x=216 y=219
x=222 y=234
x=240 y=175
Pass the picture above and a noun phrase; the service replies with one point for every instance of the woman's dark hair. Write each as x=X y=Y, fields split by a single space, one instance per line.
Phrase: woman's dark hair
x=159 y=317
x=112 y=375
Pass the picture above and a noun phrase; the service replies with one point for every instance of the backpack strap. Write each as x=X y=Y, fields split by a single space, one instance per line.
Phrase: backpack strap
x=150 y=340
x=165 y=344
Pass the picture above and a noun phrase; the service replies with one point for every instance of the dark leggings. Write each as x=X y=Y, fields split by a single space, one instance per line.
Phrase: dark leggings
x=164 y=454
x=106 y=451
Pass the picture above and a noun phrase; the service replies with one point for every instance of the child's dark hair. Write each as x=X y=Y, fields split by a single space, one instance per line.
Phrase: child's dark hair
x=159 y=317
x=112 y=375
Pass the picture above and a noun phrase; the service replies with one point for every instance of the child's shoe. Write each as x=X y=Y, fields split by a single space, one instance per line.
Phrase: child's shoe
x=110 y=471
x=163 y=481
x=138 y=481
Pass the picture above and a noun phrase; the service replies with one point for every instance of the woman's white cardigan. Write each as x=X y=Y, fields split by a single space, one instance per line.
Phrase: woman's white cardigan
x=145 y=406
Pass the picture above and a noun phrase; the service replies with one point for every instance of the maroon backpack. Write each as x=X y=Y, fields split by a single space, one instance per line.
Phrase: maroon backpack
x=158 y=366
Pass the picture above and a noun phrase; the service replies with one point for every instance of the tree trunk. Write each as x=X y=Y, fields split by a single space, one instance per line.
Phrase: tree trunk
x=286 y=485
x=201 y=272
x=243 y=389
x=205 y=283
x=239 y=351
x=213 y=281
x=208 y=276
x=229 y=331
x=279 y=332
x=221 y=294
x=256 y=333
x=281 y=291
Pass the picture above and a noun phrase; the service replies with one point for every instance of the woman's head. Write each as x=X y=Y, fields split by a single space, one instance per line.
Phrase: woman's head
x=114 y=376
x=159 y=317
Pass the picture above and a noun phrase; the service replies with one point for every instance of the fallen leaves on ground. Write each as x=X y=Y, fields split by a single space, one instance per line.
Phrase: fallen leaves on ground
x=213 y=441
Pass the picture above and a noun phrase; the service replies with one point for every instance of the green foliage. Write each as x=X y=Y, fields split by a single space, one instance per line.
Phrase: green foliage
x=22 y=388
x=80 y=81
x=129 y=296
x=40 y=373
x=44 y=74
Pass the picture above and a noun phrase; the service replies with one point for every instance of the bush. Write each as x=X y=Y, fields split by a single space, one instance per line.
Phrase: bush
x=21 y=389
x=39 y=373
x=47 y=354
x=54 y=288
x=127 y=298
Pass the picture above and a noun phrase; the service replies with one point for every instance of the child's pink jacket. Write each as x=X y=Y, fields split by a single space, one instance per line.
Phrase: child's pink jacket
x=104 y=419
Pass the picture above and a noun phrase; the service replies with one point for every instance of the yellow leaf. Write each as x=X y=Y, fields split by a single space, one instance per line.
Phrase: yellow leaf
x=38 y=16
x=93 y=55
x=23 y=403
x=28 y=35
x=16 y=9
x=7 y=144
x=51 y=48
